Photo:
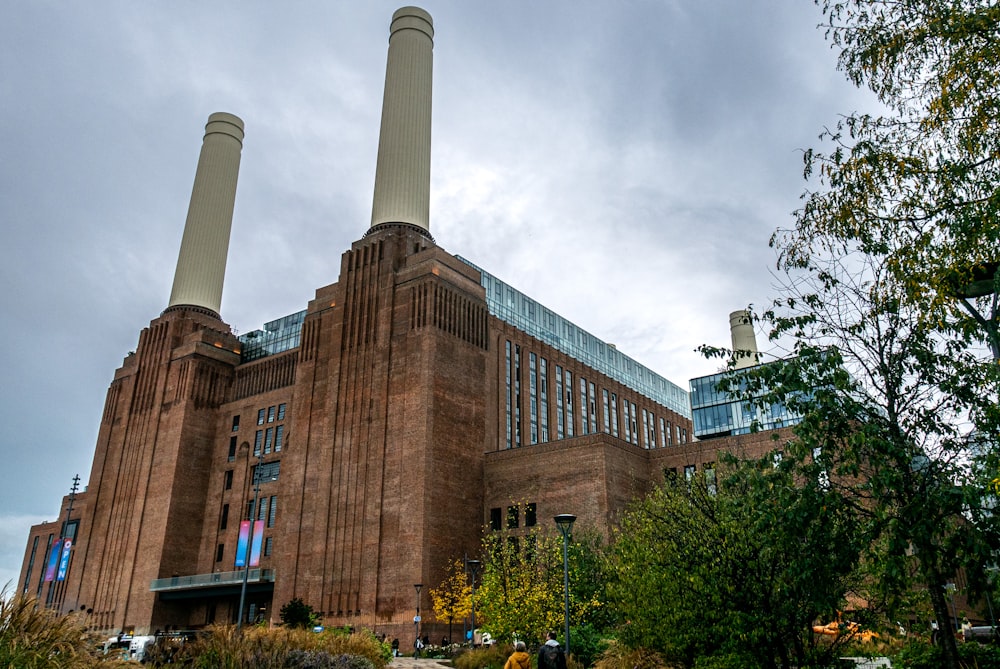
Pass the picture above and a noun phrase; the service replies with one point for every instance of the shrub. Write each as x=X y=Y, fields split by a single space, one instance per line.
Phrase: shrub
x=297 y=613
x=32 y=637
x=485 y=657
x=225 y=647
x=617 y=656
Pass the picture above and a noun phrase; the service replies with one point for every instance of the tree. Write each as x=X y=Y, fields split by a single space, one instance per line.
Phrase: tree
x=738 y=572
x=911 y=198
x=298 y=614
x=927 y=171
x=520 y=593
x=452 y=599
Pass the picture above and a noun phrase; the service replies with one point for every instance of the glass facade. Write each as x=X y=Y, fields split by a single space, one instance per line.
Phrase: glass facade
x=277 y=336
x=524 y=313
x=718 y=414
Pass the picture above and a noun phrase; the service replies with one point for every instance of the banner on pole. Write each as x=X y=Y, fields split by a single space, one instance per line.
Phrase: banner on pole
x=64 y=560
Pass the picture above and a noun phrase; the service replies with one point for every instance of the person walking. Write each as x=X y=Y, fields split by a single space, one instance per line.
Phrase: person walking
x=551 y=655
x=519 y=659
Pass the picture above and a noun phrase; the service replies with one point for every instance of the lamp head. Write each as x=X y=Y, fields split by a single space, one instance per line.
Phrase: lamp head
x=565 y=522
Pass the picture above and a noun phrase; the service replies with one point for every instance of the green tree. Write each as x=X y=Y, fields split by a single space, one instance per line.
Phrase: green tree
x=297 y=613
x=452 y=599
x=901 y=216
x=737 y=572
x=888 y=399
x=926 y=171
x=520 y=592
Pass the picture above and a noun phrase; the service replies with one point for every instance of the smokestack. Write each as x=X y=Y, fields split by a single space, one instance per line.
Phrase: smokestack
x=201 y=264
x=403 y=170
x=744 y=341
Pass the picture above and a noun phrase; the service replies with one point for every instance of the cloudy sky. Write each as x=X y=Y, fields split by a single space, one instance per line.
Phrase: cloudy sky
x=622 y=162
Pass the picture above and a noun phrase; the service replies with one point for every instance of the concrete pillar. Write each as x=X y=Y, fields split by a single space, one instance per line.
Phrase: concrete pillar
x=201 y=264
x=744 y=341
x=403 y=171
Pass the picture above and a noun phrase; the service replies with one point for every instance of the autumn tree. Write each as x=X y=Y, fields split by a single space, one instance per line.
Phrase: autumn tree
x=521 y=592
x=900 y=219
x=519 y=595
x=452 y=599
x=737 y=572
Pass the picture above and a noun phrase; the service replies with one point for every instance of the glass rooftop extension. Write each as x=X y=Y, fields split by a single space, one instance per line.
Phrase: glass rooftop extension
x=277 y=336
x=514 y=307
x=717 y=413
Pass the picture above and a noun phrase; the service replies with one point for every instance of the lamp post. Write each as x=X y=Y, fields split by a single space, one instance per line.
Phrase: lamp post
x=472 y=566
x=416 y=618
x=981 y=280
x=564 y=521
x=246 y=551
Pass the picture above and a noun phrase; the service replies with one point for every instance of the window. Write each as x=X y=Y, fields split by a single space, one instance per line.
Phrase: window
x=272 y=510
x=689 y=471
x=495 y=518
x=260 y=417
x=281 y=412
x=614 y=414
x=510 y=413
x=543 y=386
x=270 y=414
x=268 y=471
x=530 y=515
x=232 y=448
x=262 y=509
x=776 y=458
x=268 y=440
x=710 y=482
x=279 y=433
x=670 y=474
x=228 y=480
x=513 y=517
x=220 y=549
x=607 y=411
x=268 y=545
x=236 y=423
x=560 y=418
x=224 y=521
x=258 y=439
x=568 y=383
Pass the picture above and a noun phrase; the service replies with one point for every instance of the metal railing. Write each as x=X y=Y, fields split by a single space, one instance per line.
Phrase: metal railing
x=210 y=580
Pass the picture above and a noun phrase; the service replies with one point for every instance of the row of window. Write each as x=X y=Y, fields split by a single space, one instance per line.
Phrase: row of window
x=266 y=550
x=511 y=306
x=575 y=407
x=267 y=440
x=514 y=516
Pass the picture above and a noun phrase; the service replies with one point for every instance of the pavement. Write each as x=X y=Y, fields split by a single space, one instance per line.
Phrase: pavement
x=418 y=663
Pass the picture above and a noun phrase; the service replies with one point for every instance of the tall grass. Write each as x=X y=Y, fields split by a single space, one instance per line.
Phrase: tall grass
x=32 y=637
x=225 y=647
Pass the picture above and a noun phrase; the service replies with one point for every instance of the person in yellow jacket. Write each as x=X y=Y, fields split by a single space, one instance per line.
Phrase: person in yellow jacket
x=519 y=659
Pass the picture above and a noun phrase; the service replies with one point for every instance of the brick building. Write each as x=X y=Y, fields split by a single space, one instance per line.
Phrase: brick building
x=370 y=437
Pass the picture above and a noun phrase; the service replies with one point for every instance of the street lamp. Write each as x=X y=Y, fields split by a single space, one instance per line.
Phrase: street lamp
x=472 y=566
x=416 y=618
x=246 y=550
x=980 y=281
x=564 y=521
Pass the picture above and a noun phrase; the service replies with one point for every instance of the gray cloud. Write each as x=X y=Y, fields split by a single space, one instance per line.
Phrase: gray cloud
x=622 y=163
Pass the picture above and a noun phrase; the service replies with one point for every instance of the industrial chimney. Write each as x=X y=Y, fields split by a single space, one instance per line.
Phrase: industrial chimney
x=201 y=263
x=403 y=170
x=744 y=341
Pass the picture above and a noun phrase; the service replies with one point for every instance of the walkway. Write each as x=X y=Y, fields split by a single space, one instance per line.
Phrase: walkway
x=419 y=663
